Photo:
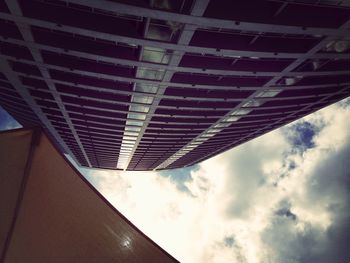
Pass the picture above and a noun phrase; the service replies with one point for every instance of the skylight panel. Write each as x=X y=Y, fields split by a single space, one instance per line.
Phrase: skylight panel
x=146 y=88
x=156 y=55
x=137 y=116
x=142 y=99
x=146 y=73
x=241 y=112
x=267 y=93
x=253 y=103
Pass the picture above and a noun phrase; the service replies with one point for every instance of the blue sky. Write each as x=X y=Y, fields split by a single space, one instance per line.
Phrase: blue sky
x=283 y=197
x=6 y=121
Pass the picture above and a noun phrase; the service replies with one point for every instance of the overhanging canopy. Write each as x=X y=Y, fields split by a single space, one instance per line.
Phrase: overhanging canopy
x=50 y=213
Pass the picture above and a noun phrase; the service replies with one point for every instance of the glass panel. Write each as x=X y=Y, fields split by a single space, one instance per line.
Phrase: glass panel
x=130 y=128
x=147 y=88
x=219 y=125
x=191 y=146
x=137 y=116
x=292 y=80
x=158 y=32
x=131 y=133
x=208 y=135
x=232 y=119
x=128 y=143
x=156 y=55
x=134 y=123
x=241 y=112
x=252 y=103
x=196 y=143
x=146 y=73
x=267 y=93
x=142 y=99
x=214 y=130
x=123 y=157
x=201 y=139
x=129 y=138
x=139 y=108
x=125 y=150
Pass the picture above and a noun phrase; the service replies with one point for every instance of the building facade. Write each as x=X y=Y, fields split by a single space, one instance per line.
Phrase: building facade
x=151 y=85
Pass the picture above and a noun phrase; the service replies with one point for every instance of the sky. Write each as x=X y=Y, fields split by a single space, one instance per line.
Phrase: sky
x=283 y=197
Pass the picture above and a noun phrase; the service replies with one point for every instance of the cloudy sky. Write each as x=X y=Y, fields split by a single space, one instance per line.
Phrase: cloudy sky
x=283 y=197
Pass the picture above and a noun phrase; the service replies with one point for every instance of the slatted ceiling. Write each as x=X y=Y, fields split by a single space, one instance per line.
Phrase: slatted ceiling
x=314 y=16
x=9 y=29
x=2 y=76
x=47 y=104
x=41 y=94
x=5 y=85
x=88 y=80
x=194 y=78
x=99 y=133
x=311 y=65
x=3 y=7
x=35 y=83
x=185 y=110
x=53 y=13
x=203 y=38
x=93 y=93
x=172 y=135
x=9 y=99
x=334 y=65
x=96 y=112
x=284 y=44
x=189 y=112
x=324 y=80
x=99 y=141
x=100 y=147
x=339 y=96
x=242 y=41
x=87 y=65
x=183 y=7
x=197 y=93
x=261 y=65
x=25 y=68
x=84 y=123
x=198 y=104
x=7 y=90
x=182 y=120
x=310 y=13
x=16 y=51
x=69 y=41
x=308 y=92
x=54 y=118
x=92 y=132
x=94 y=103
x=163 y=132
x=210 y=62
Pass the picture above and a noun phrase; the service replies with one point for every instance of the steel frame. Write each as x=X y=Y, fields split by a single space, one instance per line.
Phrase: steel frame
x=87 y=117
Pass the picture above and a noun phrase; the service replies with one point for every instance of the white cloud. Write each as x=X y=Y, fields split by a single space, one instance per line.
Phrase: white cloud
x=231 y=213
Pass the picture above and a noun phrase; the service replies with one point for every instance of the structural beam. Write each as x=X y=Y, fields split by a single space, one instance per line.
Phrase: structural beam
x=200 y=21
x=15 y=9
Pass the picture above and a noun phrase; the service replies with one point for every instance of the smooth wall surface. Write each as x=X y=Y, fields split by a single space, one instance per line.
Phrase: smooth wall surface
x=62 y=219
x=14 y=149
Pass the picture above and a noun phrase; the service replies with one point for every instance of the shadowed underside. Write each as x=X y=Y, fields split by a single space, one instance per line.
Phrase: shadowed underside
x=50 y=213
x=166 y=84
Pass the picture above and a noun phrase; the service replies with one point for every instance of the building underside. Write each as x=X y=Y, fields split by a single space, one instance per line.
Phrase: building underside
x=151 y=85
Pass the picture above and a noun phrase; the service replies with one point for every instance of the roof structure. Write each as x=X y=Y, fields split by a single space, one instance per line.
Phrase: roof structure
x=51 y=213
x=144 y=85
